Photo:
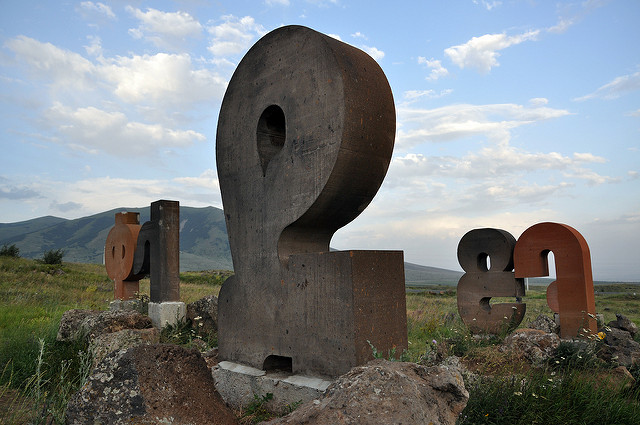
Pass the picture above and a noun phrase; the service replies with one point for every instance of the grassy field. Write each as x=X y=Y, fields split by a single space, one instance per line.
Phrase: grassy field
x=38 y=373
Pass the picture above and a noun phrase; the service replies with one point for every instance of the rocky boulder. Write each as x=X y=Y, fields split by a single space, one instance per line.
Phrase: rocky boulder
x=150 y=384
x=623 y=323
x=619 y=347
x=203 y=314
x=91 y=323
x=545 y=323
x=390 y=393
x=102 y=345
x=535 y=345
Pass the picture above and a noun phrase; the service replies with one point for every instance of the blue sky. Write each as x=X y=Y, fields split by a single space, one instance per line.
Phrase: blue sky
x=509 y=113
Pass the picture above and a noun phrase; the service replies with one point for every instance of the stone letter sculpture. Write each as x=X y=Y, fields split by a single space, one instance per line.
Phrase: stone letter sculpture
x=571 y=294
x=119 y=250
x=480 y=283
x=305 y=136
x=158 y=254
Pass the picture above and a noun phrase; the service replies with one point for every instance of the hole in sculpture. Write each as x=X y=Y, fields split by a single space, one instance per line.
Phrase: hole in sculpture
x=113 y=252
x=122 y=251
x=278 y=363
x=484 y=262
x=270 y=134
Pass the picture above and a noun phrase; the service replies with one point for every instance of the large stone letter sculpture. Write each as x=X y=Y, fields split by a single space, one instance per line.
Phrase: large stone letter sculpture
x=480 y=283
x=305 y=136
x=158 y=254
x=571 y=294
x=119 y=250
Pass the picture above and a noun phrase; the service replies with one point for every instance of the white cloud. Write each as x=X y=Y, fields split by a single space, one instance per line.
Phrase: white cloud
x=336 y=36
x=437 y=70
x=165 y=29
x=538 y=101
x=95 y=46
x=164 y=79
x=635 y=113
x=488 y=4
x=90 y=10
x=234 y=36
x=458 y=121
x=616 y=88
x=62 y=68
x=482 y=52
x=93 y=130
x=374 y=52
x=277 y=2
x=358 y=34
x=412 y=95
x=207 y=180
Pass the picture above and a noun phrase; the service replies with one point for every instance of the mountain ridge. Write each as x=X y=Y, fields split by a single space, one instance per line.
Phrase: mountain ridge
x=204 y=244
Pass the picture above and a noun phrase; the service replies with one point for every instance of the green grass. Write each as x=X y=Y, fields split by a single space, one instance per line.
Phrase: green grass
x=34 y=386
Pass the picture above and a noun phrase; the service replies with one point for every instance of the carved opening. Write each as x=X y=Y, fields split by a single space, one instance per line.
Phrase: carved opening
x=484 y=262
x=275 y=363
x=270 y=134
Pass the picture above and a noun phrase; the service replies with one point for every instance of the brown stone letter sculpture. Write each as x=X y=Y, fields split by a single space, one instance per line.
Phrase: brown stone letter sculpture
x=571 y=294
x=119 y=251
x=480 y=283
x=158 y=254
x=305 y=136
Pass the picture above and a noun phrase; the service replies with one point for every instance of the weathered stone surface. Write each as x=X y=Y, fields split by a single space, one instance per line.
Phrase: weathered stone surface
x=150 y=384
x=535 y=345
x=203 y=314
x=619 y=347
x=383 y=392
x=545 y=324
x=304 y=139
x=91 y=323
x=102 y=345
x=622 y=322
x=480 y=283
x=616 y=379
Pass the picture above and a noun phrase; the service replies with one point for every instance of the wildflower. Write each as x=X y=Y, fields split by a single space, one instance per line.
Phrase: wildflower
x=601 y=335
x=434 y=342
x=518 y=393
x=486 y=415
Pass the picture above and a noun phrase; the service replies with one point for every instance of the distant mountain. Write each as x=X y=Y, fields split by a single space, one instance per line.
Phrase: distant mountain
x=203 y=237
x=203 y=241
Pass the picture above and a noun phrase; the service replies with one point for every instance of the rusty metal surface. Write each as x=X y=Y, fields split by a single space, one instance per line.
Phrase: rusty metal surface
x=571 y=294
x=158 y=251
x=305 y=136
x=480 y=283
x=119 y=251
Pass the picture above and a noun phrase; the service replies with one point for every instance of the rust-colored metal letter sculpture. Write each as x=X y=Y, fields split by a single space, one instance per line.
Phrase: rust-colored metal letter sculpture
x=480 y=283
x=305 y=136
x=571 y=294
x=119 y=251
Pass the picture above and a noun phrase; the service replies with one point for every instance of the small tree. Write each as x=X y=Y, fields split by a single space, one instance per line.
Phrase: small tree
x=53 y=256
x=10 y=251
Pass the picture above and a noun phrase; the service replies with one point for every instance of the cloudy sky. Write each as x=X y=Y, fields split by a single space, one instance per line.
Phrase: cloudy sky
x=509 y=112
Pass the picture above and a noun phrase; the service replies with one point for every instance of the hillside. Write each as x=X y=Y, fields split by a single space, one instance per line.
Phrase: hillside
x=203 y=241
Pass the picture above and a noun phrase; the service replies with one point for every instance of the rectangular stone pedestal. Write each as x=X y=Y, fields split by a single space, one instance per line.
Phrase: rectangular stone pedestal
x=237 y=384
x=166 y=313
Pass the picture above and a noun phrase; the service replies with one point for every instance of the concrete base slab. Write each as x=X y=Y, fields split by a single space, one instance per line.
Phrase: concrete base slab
x=237 y=384
x=167 y=313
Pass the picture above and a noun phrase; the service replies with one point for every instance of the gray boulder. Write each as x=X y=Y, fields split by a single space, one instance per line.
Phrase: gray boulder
x=91 y=323
x=619 y=347
x=623 y=323
x=102 y=345
x=383 y=392
x=535 y=345
x=545 y=323
x=150 y=384
x=203 y=314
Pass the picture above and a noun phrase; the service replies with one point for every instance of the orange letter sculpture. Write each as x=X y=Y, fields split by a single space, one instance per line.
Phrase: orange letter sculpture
x=571 y=294
x=480 y=283
x=118 y=255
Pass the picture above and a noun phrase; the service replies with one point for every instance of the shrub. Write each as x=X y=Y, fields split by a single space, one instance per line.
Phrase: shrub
x=10 y=251
x=53 y=256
